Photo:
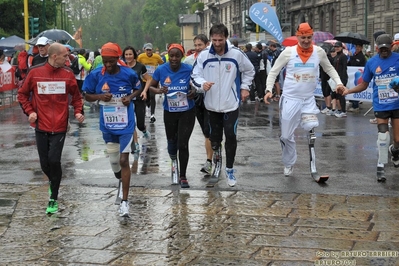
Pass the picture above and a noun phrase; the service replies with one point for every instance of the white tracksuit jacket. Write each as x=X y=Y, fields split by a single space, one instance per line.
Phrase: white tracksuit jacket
x=230 y=72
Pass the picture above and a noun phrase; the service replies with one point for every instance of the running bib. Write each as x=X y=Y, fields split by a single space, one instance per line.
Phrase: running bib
x=51 y=87
x=115 y=117
x=385 y=94
x=150 y=70
x=305 y=77
x=177 y=101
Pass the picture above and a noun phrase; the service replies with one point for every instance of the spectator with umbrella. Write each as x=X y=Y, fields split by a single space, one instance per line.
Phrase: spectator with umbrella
x=43 y=43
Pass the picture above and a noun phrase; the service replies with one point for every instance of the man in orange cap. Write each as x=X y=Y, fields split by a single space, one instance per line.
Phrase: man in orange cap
x=115 y=86
x=297 y=103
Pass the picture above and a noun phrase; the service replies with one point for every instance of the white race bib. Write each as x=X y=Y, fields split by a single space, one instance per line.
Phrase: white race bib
x=115 y=117
x=177 y=101
x=51 y=87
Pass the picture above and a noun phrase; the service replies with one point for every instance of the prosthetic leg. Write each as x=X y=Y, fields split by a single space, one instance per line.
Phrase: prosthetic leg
x=175 y=172
x=217 y=160
x=382 y=143
x=313 y=171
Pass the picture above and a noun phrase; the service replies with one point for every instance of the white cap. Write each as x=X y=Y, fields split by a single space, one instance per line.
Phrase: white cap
x=264 y=44
x=42 y=41
x=396 y=38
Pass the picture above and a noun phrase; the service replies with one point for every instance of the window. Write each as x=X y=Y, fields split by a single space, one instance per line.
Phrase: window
x=370 y=31
x=371 y=7
x=388 y=5
x=353 y=7
x=322 y=21
x=389 y=25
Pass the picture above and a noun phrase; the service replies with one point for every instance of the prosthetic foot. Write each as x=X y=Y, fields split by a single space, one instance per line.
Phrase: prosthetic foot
x=381 y=174
x=318 y=178
x=119 y=193
x=175 y=172
x=217 y=160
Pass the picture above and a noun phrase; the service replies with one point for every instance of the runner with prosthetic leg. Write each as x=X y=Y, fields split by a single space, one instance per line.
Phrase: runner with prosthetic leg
x=383 y=71
x=297 y=104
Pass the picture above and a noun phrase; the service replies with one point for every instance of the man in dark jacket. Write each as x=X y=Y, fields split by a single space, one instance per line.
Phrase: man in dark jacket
x=357 y=59
x=340 y=64
x=255 y=60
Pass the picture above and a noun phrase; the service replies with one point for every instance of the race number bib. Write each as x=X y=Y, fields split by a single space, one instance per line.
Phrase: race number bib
x=51 y=87
x=150 y=70
x=177 y=101
x=385 y=94
x=115 y=117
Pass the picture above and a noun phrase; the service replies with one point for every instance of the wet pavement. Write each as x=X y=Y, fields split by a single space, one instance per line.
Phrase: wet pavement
x=267 y=219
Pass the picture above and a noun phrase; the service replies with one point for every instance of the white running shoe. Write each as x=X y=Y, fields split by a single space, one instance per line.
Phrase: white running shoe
x=288 y=170
x=124 y=209
x=231 y=179
x=324 y=111
x=340 y=114
x=207 y=168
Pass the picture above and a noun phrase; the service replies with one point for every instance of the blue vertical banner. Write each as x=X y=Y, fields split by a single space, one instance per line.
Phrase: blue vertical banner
x=265 y=16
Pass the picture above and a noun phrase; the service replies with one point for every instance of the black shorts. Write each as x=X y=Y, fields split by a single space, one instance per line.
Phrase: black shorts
x=394 y=114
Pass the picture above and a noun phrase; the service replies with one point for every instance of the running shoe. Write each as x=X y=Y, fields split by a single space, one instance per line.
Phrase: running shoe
x=381 y=174
x=288 y=170
x=207 y=168
x=184 y=183
x=340 y=114
x=52 y=207
x=231 y=179
x=124 y=209
x=330 y=112
x=152 y=119
x=147 y=135
x=325 y=110
x=394 y=156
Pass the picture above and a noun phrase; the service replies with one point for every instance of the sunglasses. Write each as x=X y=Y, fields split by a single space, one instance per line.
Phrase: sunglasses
x=41 y=46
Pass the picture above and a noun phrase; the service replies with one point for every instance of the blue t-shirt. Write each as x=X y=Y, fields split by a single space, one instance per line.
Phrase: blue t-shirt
x=115 y=118
x=383 y=71
x=178 y=84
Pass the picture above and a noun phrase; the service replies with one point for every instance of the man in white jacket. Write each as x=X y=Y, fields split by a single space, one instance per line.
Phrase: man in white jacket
x=224 y=73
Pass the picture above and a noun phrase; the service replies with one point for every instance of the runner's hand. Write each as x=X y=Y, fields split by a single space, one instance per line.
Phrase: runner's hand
x=191 y=94
x=268 y=95
x=395 y=84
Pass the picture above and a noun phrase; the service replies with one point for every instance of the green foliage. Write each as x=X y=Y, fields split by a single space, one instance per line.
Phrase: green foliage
x=126 y=22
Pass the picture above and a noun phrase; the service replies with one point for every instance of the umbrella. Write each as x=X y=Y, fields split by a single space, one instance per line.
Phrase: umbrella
x=321 y=36
x=352 y=37
x=290 y=41
x=345 y=50
x=56 y=35
x=11 y=42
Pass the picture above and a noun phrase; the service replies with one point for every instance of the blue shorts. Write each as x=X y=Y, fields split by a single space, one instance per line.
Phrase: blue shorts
x=124 y=141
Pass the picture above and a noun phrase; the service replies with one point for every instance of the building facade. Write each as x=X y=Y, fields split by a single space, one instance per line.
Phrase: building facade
x=335 y=16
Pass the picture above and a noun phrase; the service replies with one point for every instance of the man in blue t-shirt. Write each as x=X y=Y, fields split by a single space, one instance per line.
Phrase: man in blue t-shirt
x=384 y=68
x=115 y=86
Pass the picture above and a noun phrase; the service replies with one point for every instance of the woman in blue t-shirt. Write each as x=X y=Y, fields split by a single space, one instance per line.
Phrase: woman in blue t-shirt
x=179 y=112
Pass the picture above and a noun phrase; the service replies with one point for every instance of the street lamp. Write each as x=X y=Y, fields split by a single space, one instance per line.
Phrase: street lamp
x=198 y=14
x=182 y=30
x=62 y=13
x=56 y=11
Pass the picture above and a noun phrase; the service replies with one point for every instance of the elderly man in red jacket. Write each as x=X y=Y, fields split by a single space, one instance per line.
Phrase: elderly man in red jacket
x=44 y=97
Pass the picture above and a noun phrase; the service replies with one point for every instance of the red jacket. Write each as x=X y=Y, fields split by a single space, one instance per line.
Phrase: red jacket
x=51 y=105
